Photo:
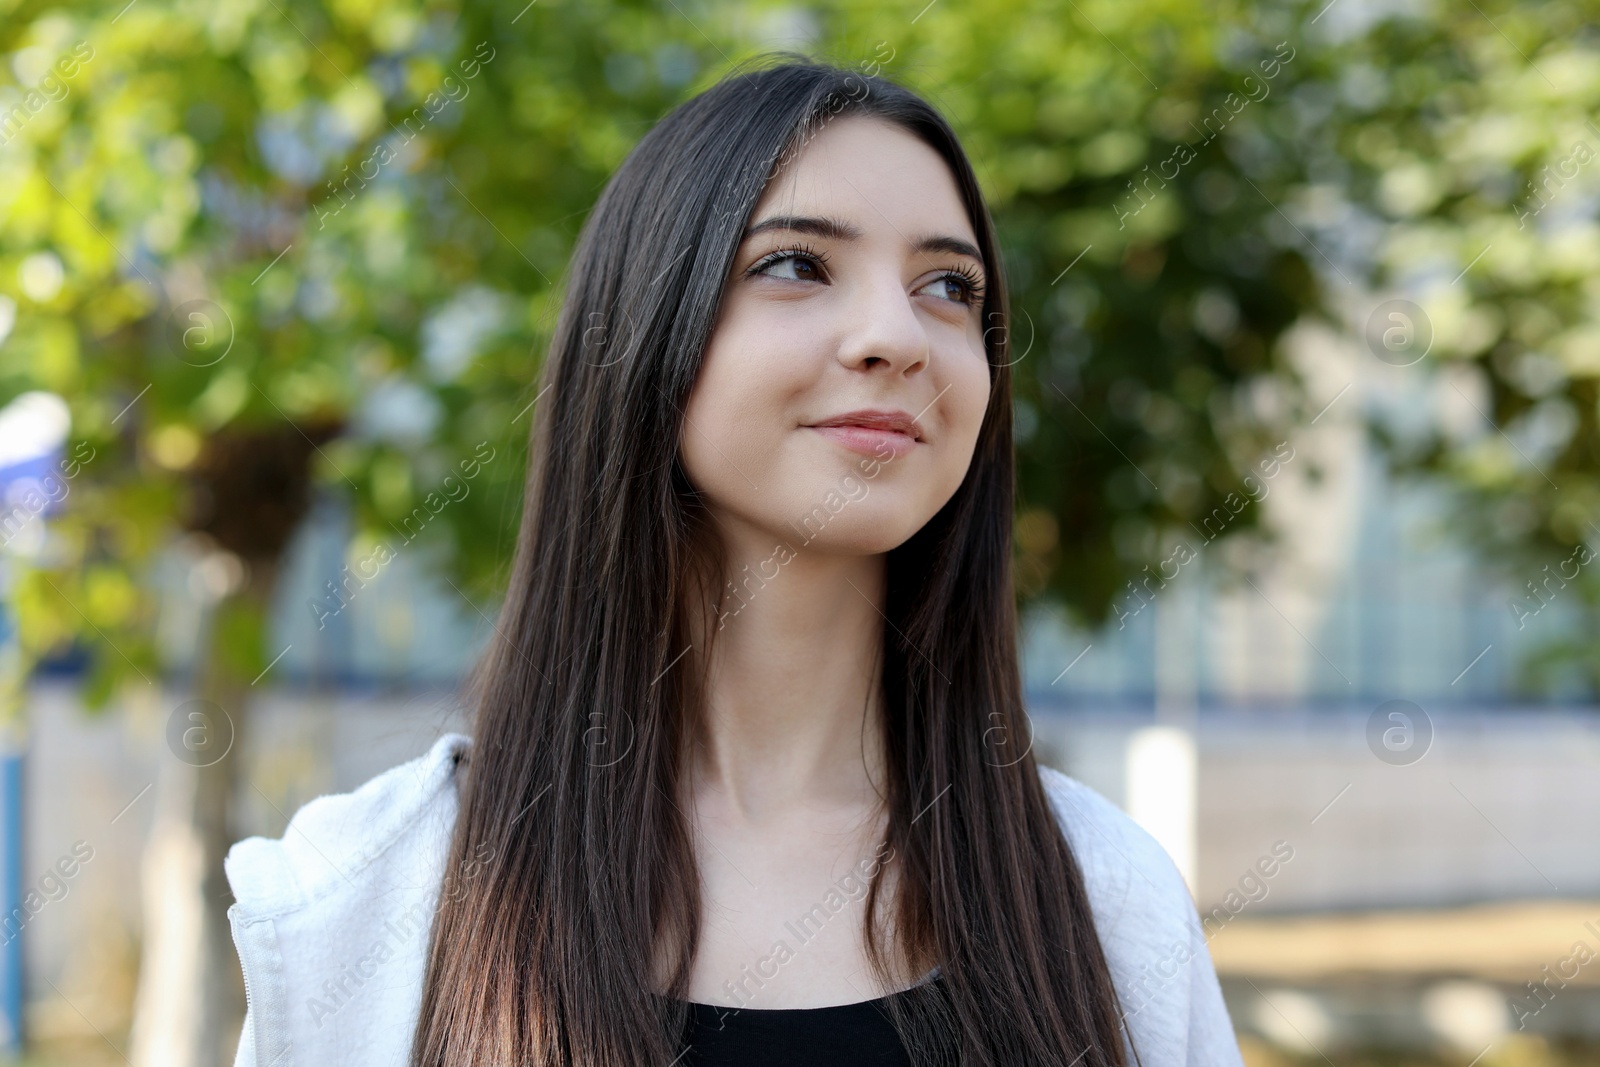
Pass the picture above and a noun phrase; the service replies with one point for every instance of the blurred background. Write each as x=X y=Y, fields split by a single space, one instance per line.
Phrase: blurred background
x=1307 y=323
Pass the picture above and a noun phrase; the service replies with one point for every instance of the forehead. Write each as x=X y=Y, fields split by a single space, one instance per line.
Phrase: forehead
x=873 y=173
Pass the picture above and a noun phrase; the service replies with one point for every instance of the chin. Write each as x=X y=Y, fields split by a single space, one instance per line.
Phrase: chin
x=866 y=527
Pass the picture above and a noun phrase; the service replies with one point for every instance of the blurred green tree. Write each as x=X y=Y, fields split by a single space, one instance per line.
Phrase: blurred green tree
x=268 y=248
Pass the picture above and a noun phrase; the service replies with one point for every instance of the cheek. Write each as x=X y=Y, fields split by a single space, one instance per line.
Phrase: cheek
x=739 y=411
x=968 y=397
x=712 y=432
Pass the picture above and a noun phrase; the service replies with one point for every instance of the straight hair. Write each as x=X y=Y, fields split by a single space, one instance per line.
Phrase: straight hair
x=586 y=708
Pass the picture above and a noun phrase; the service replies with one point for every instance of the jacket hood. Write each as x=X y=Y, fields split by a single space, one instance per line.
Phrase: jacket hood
x=332 y=920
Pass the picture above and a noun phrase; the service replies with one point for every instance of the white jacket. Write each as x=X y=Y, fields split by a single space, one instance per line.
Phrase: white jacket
x=332 y=923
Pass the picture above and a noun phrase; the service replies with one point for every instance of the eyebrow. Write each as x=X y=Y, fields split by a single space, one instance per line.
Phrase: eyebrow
x=838 y=230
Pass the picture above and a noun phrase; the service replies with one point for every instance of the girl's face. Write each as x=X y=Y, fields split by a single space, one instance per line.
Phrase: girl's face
x=854 y=300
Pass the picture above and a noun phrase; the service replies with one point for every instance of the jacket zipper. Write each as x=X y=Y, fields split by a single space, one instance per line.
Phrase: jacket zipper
x=249 y=1007
x=268 y=1031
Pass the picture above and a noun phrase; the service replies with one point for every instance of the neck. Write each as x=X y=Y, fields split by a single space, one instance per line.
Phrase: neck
x=793 y=693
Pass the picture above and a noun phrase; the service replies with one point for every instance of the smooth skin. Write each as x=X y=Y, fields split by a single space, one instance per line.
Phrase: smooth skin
x=785 y=793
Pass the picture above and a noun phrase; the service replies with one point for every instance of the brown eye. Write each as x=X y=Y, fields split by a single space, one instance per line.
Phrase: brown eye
x=792 y=264
x=797 y=267
x=956 y=287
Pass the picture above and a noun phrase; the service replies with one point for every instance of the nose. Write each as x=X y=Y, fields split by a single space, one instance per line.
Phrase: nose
x=883 y=330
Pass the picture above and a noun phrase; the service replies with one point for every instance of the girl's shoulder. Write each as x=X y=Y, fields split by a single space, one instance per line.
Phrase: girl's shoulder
x=1149 y=929
x=1128 y=874
x=335 y=841
x=331 y=920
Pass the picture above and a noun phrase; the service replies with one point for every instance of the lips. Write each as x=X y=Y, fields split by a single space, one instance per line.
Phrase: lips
x=873 y=432
x=876 y=419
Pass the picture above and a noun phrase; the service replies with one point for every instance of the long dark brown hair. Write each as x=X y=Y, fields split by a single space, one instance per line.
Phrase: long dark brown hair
x=543 y=953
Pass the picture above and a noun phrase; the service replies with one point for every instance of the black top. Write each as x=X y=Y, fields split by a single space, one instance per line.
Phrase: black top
x=840 y=1034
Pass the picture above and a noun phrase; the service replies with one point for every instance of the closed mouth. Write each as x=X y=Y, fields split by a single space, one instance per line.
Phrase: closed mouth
x=881 y=421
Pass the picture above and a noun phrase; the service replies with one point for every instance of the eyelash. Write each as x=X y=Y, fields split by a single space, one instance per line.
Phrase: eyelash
x=791 y=252
x=967 y=275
